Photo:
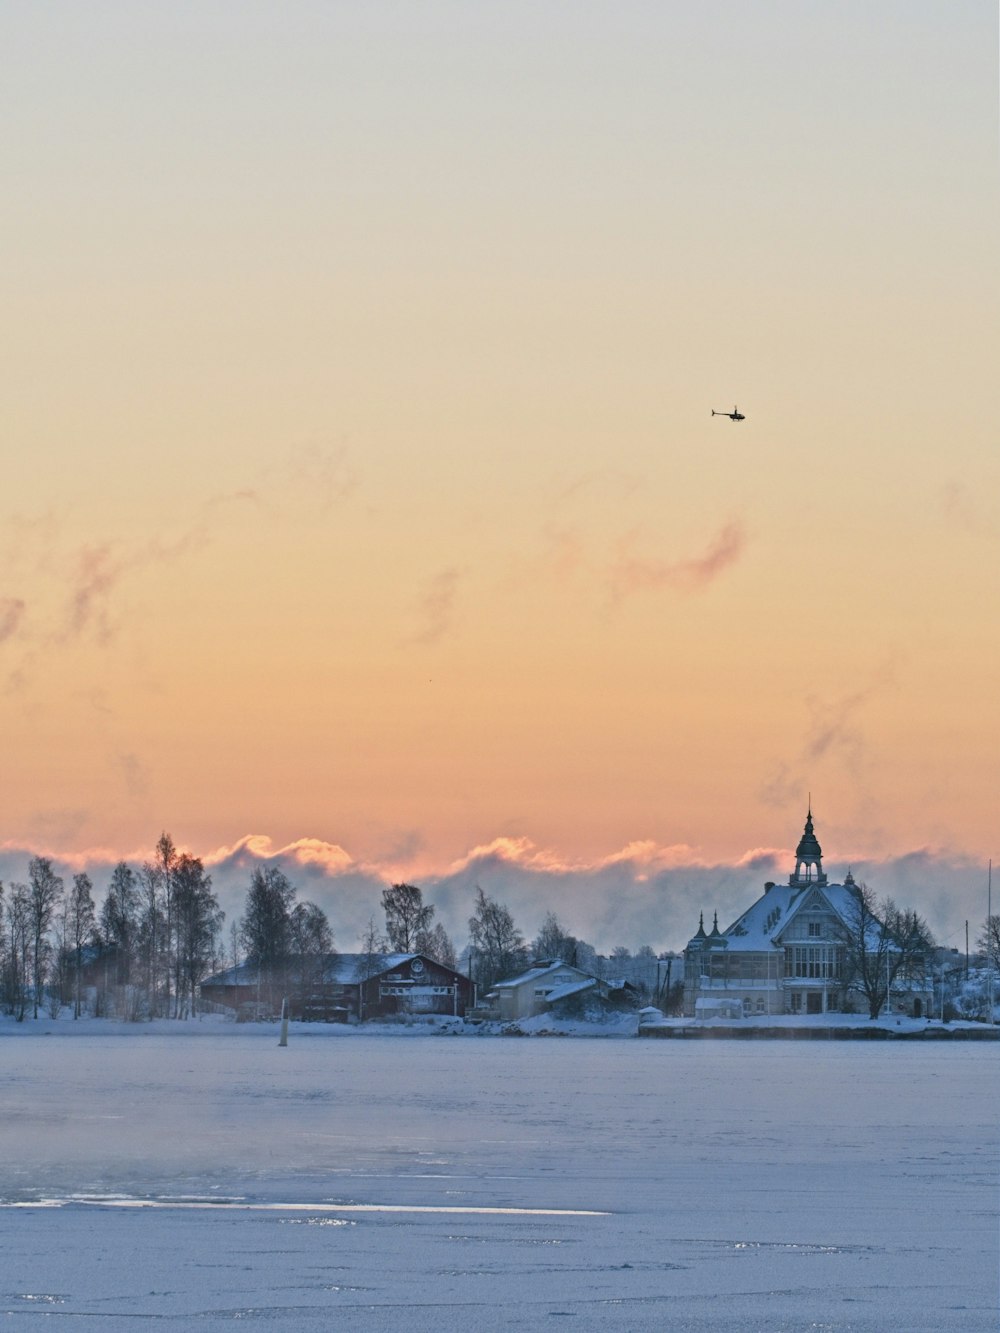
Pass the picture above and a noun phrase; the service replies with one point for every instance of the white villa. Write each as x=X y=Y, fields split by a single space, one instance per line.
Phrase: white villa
x=785 y=954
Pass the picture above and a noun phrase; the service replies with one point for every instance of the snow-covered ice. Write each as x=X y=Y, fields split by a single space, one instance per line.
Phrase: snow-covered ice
x=843 y=1187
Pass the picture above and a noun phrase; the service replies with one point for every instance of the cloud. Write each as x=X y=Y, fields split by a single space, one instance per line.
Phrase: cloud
x=834 y=725
x=100 y=568
x=134 y=774
x=11 y=614
x=436 y=607
x=306 y=853
x=966 y=511
x=246 y=495
x=834 y=731
x=598 y=484
x=631 y=574
x=326 y=474
x=97 y=573
x=642 y=893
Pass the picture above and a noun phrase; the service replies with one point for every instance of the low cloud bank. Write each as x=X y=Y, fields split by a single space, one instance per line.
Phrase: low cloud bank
x=642 y=894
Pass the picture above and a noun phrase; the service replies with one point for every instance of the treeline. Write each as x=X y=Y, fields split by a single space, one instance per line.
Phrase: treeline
x=141 y=954
x=143 y=950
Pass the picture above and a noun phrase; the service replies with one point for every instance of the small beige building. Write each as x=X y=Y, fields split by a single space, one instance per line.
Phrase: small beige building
x=541 y=986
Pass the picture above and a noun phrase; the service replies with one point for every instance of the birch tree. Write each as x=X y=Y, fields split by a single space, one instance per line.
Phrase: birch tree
x=44 y=892
x=407 y=918
x=499 y=945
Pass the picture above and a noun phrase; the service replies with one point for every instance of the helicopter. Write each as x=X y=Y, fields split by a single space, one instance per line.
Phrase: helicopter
x=734 y=415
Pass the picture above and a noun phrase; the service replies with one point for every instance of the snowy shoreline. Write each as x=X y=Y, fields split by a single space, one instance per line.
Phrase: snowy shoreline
x=826 y=1027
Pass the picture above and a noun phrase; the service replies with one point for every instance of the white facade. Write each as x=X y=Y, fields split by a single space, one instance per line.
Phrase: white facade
x=786 y=953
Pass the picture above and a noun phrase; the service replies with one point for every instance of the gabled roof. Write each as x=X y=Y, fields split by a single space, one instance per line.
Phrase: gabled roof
x=763 y=924
x=539 y=971
x=342 y=969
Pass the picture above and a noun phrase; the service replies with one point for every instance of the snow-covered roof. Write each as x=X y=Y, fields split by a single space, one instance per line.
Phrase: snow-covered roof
x=762 y=924
x=344 y=969
x=539 y=971
x=570 y=988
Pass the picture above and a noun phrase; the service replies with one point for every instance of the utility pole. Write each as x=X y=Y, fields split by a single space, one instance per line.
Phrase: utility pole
x=989 y=951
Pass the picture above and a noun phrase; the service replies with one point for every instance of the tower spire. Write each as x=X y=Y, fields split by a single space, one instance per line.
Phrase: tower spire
x=808 y=856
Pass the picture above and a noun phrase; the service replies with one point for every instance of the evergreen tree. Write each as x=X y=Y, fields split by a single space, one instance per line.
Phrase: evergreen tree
x=265 y=929
x=197 y=926
x=80 y=925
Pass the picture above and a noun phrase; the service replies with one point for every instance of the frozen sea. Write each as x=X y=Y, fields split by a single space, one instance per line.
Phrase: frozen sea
x=201 y=1176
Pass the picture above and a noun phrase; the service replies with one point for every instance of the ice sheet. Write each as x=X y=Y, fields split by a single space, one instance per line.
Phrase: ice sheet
x=831 y=1186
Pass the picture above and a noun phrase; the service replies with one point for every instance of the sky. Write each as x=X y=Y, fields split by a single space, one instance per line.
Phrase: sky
x=361 y=493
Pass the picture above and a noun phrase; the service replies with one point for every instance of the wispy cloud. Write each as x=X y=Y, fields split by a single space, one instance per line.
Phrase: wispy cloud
x=835 y=725
x=436 y=608
x=326 y=473
x=835 y=730
x=134 y=774
x=632 y=573
x=98 y=570
x=12 y=611
x=964 y=510
x=598 y=484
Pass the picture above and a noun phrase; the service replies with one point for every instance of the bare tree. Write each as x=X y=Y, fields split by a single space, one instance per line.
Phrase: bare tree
x=407 y=918
x=151 y=932
x=80 y=924
x=312 y=950
x=373 y=948
x=165 y=858
x=552 y=942
x=988 y=943
x=44 y=891
x=499 y=946
x=440 y=947
x=881 y=943
x=19 y=949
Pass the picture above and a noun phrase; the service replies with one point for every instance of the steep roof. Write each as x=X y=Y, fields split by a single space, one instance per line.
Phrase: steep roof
x=764 y=923
x=539 y=971
x=344 y=969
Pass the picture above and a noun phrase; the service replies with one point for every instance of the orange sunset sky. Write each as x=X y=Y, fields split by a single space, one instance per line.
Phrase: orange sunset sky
x=360 y=483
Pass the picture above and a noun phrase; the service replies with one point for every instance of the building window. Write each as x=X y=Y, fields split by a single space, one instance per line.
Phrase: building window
x=815 y=929
x=796 y=998
x=815 y=961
